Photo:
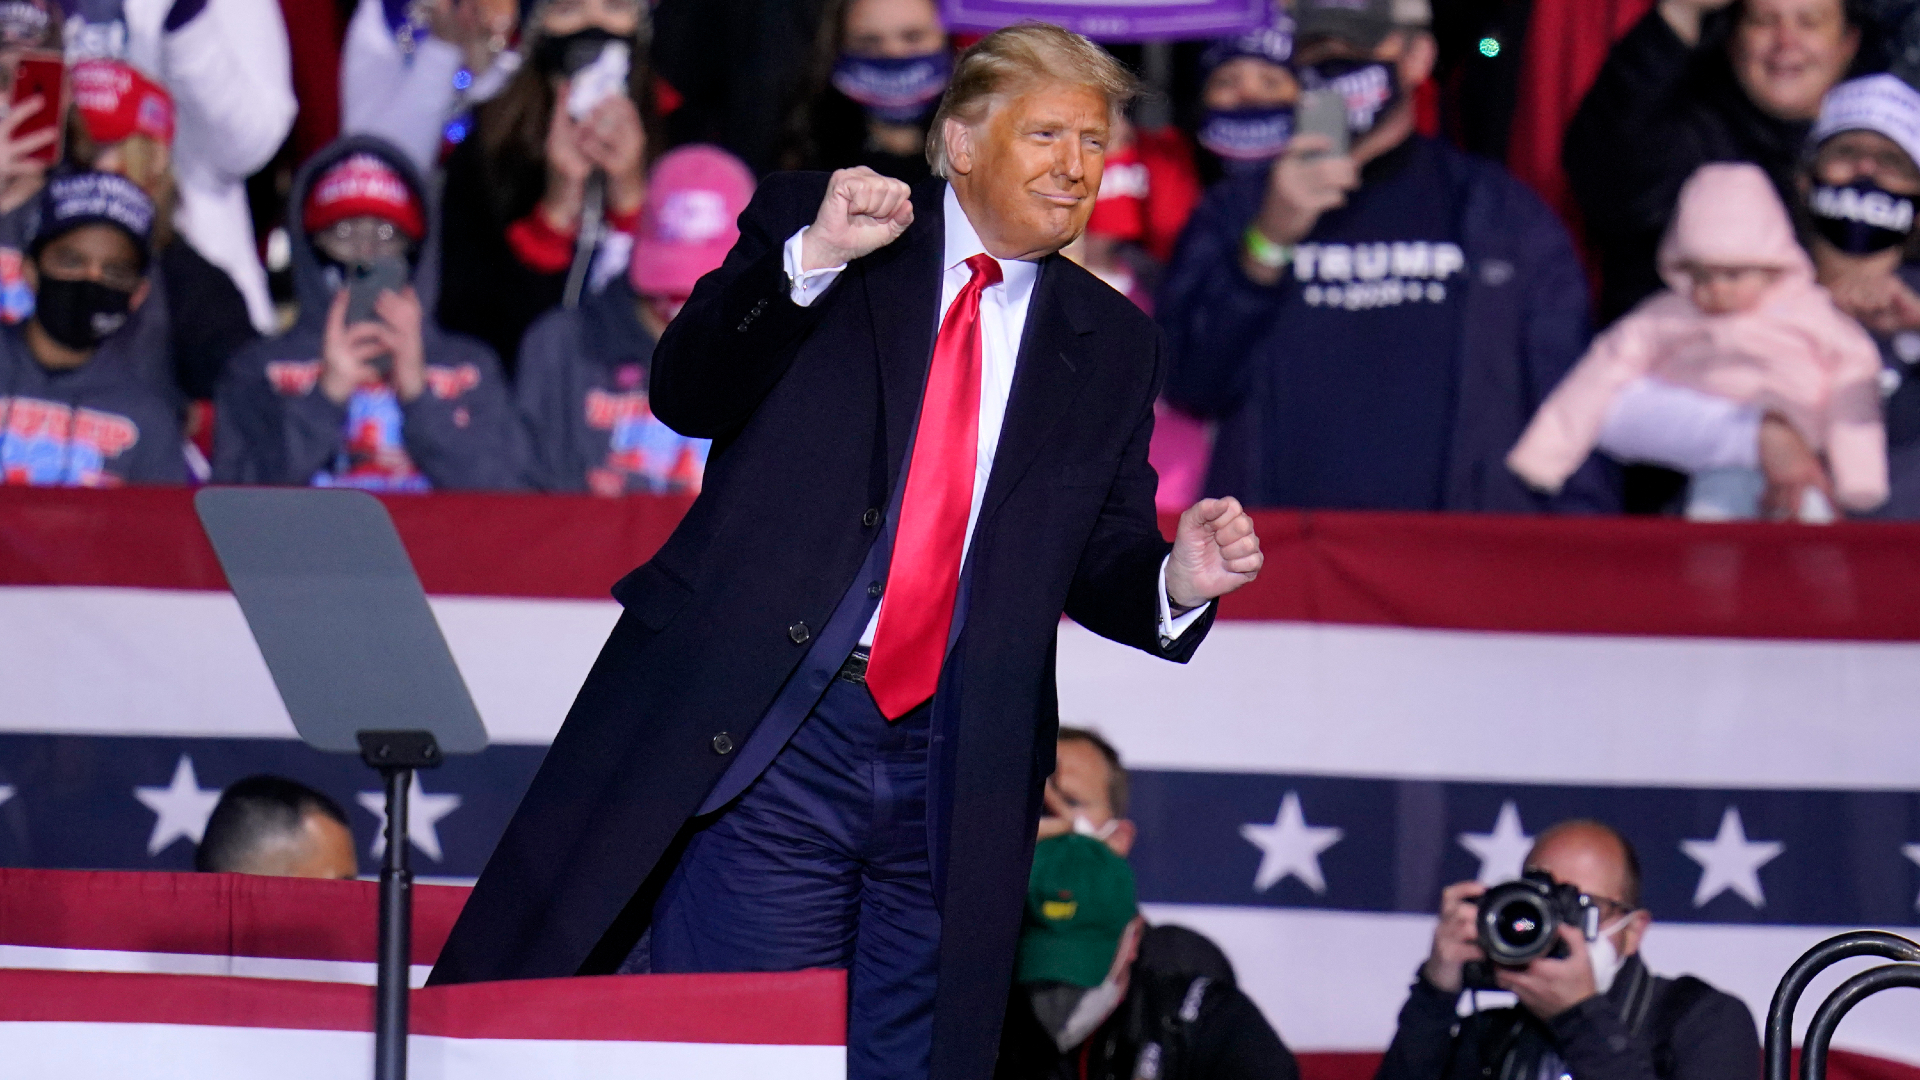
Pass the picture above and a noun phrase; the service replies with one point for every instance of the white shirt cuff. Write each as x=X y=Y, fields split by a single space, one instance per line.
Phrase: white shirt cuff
x=807 y=285
x=1171 y=626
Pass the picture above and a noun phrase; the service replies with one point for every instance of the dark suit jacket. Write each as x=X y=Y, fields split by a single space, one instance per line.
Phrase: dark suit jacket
x=811 y=410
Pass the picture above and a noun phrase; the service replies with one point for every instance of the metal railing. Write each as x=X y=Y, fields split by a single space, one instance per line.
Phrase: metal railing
x=1905 y=971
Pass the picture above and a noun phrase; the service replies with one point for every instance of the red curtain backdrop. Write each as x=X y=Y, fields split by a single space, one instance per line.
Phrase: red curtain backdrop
x=316 y=30
x=1567 y=41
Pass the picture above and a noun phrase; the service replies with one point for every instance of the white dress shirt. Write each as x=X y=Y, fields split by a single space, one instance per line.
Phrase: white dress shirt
x=1003 y=319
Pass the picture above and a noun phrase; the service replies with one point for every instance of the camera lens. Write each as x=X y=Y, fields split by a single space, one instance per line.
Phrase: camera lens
x=1518 y=923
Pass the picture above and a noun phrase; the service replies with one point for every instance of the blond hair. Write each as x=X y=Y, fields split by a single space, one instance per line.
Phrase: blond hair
x=1018 y=55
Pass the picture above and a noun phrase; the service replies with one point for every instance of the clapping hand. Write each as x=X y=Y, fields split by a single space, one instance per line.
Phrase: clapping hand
x=862 y=213
x=1215 y=552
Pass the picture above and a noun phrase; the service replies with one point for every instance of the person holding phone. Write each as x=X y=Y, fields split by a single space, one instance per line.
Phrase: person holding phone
x=72 y=412
x=124 y=123
x=583 y=388
x=518 y=187
x=27 y=27
x=1372 y=328
x=364 y=390
x=228 y=68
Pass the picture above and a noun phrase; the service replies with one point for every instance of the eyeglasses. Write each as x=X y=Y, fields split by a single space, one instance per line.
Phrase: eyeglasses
x=1611 y=910
x=362 y=240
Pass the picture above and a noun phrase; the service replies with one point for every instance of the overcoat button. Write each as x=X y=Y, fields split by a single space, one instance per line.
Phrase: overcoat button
x=723 y=744
x=870 y=518
x=799 y=633
x=875 y=589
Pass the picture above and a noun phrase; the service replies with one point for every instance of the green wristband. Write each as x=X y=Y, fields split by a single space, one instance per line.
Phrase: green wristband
x=1264 y=252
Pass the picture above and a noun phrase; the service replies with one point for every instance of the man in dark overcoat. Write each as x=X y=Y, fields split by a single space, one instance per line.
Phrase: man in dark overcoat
x=818 y=735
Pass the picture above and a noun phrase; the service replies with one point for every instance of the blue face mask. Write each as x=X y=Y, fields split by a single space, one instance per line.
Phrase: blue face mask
x=895 y=89
x=1372 y=88
x=1255 y=135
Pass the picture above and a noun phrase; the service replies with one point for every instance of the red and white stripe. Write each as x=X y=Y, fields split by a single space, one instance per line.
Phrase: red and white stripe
x=1452 y=647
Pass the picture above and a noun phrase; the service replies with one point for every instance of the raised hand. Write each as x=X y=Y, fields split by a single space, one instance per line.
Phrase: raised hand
x=399 y=324
x=1215 y=552
x=1306 y=182
x=347 y=352
x=1456 y=938
x=1549 y=987
x=1684 y=16
x=21 y=175
x=862 y=213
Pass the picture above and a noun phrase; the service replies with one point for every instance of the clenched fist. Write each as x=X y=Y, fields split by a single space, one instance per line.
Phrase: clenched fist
x=1215 y=552
x=863 y=212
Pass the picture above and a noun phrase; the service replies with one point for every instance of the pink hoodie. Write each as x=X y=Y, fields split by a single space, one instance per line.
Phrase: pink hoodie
x=1794 y=353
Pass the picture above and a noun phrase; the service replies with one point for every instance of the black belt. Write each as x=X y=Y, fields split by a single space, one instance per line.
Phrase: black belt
x=855 y=669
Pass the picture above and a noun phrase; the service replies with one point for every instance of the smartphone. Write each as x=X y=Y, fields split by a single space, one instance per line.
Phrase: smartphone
x=1324 y=112
x=42 y=75
x=366 y=281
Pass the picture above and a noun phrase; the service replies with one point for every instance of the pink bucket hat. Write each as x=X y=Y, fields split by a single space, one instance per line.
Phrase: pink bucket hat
x=687 y=225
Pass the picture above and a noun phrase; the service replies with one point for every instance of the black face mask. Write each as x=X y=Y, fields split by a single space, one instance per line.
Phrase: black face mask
x=1371 y=87
x=1860 y=218
x=79 y=314
x=567 y=54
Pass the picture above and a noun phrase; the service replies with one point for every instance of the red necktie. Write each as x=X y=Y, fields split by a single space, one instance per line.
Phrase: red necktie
x=924 y=578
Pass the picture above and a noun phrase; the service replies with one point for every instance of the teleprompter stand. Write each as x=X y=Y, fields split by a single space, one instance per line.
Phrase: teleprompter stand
x=345 y=630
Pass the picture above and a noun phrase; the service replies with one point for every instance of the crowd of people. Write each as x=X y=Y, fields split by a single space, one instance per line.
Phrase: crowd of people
x=1361 y=315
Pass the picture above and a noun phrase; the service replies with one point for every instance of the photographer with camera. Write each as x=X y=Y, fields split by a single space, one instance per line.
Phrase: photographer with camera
x=1567 y=941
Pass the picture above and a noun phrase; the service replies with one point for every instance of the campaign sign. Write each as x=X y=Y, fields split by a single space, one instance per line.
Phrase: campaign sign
x=1114 y=20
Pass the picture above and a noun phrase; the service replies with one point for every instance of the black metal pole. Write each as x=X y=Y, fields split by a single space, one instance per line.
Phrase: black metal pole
x=1779 y=1031
x=1813 y=1053
x=396 y=936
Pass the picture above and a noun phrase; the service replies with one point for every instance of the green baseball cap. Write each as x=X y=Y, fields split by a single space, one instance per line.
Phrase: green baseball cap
x=1080 y=899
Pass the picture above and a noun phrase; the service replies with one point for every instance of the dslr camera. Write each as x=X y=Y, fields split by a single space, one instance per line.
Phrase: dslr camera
x=1520 y=922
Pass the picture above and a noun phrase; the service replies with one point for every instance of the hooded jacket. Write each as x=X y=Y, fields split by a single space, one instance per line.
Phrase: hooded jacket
x=275 y=426
x=102 y=424
x=1794 y=352
x=582 y=393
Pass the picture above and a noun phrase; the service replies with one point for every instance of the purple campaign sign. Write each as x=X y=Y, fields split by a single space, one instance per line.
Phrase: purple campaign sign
x=1115 y=20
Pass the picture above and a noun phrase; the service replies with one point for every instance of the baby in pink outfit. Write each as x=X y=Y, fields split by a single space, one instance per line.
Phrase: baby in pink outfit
x=1742 y=319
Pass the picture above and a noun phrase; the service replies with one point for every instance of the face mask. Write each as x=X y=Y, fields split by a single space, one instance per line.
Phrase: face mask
x=79 y=314
x=1371 y=87
x=1085 y=827
x=1862 y=217
x=567 y=54
x=1605 y=958
x=1256 y=135
x=894 y=89
x=1071 y=1013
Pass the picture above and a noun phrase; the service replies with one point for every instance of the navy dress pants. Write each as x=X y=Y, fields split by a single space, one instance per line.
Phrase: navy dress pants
x=822 y=863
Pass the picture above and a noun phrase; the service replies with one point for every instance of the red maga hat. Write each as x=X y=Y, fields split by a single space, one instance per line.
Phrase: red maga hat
x=362 y=185
x=115 y=101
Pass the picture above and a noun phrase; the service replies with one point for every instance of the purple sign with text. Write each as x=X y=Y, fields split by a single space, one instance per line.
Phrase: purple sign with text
x=1115 y=20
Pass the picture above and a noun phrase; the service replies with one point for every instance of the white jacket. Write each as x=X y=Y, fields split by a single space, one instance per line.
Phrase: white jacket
x=407 y=98
x=231 y=79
